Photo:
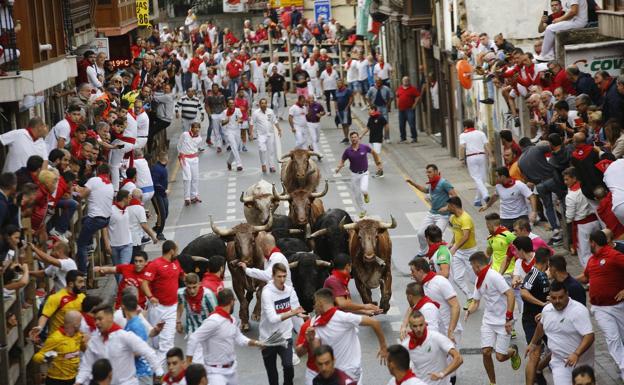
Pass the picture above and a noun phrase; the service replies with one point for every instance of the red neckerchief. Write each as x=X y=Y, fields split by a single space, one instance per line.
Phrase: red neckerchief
x=430 y=275
x=300 y=105
x=434 y=182
x=576 y=186
x=131 y=113
x=481 y=275
x=259 y=61
x=324 y=318
x=195 y=303
x=349 y=63
x=603 y=165
x=193 y=135
x=273 y=250
x=381 y=65
x=425 y=300
x=498 y=231
x=469 y=129
x=414 y=341
x=374 y=114
x=72 y=125
x=135 y=202
x=167 y=379
x=329 y=70
x=433 y=248
x=125 y=182
x=582 y=151
x=122 y=209
x=105 y=178
x=409 y=374
x=107 y=333
x=341 y=276
x=30 y=132
x=342 y=88
x=62 y=330
x=89 y=320
x=510 y=182
x=557 y=15
x=527 y=266
x=221 y=311
x=230 y=111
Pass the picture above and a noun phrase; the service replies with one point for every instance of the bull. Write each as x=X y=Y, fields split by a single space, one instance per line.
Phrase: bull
x=308 y=272
x=304 y=205
x=242 y=246
x=194 y=257
x=259 y=201
x=329 y=237
x=370 y=248
x=300 y=171
x=290 y=246
x=282 y=228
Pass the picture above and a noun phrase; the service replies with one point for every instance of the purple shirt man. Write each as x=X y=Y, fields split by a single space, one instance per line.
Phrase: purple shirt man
x=314 y=112
x=358 y=158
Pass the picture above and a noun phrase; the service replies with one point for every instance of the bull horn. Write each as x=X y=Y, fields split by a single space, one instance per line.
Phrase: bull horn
x=313 y=153
x=285 y=156
x=197 y=258
x=245 y=199
x=283 y=197
x=322 y=193
x=293 y=265
x=266 y=226
x=218 y=231
x=321 y=263
x=295 y=231
x=349 y=226
x=318 y=233
x=391 y=225
x=380 y=261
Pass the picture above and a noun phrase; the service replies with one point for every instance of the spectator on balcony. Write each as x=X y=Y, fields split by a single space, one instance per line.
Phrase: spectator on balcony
x=502 y=44
x=23 y=143
x=559 y=78
x=575 y=16
x=556 y=12
x=83 y=100
x=96 y=73
x=88 y=59
x=583 y=83
x=612 y=99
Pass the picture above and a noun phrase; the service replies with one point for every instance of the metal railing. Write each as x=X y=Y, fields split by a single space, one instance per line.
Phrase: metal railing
x=9 y=54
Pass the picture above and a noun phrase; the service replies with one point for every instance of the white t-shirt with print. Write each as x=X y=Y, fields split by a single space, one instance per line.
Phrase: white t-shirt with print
x=565 y=330
x=513 y=200
x=431 y=356
x=58 y=273
x=491 y=294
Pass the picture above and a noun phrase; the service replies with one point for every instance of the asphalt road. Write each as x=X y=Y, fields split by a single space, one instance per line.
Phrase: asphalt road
x=220 y=191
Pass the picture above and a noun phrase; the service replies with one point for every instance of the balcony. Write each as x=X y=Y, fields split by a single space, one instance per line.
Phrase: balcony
x=79 y=21
x=115 y=17
x=611 y=19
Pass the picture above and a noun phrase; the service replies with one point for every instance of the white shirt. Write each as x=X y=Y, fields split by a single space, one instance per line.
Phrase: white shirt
x=263 y=122
x=58 y=273
x=280 y=68
x=411 y=381
x=21 y=147
x=185 y=64
x=144 y=175
x=440 y=290
x=351 y=66
x=432 y=316
x=132 y=127
x=120 y=349
x=257 y=70
x=187 y=144
x=267 y=274
x=435 y=96
x=136 y=216
x=363 y=70
x=341 y=333
x=565 y=330
x=142 y=124
x=431 y=356
x=581 y=16
x=276 y=302
x=474 y=141
x=311 y=69
x=115 y=155
x=491 y=292
x=129 y=187
x=93 y=71
x=61 y=130
x=614 y=181
x=216 y=337
x=232 y=124
x=577 y=205
x=119 y=227
x=100 y=200
x=513 y=200
x=329 y=81
x=382 y=73
x=518 y=270
x=299 y=115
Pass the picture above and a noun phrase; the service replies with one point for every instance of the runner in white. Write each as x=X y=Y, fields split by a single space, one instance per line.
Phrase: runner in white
x=272 y=255
x=231 y=120
x=143 y=123
x=474 y=149
x=264 y=124
x=298 y=123
x=312 y=68
x=258 y=74
x=188 y=153
x=399 y=367
x=418 y=301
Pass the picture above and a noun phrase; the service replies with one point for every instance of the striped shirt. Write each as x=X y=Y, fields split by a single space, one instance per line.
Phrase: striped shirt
x=189 y=107
x=192 y=321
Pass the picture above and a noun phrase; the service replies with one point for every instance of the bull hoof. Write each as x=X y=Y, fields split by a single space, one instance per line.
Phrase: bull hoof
x=255 y=317
x=385 y=306
x=244 y=327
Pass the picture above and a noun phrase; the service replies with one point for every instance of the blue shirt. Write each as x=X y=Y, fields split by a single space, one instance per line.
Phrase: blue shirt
x=135 y=325
x=160 y=178
x=342 y=98
x=439 y=196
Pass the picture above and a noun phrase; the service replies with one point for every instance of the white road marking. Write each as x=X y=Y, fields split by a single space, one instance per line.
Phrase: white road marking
x=350 y=209
x=232 y=179
x=230 y=211
x=404 y=236
x=205 y=230
x=231 y=197
x=344 y=194
x=231 y=204
x=415 y=218
x=393 y=311
x=230 y=217
x=231 y=191
x=341 y=187
x=232 y=184
x=347 y=201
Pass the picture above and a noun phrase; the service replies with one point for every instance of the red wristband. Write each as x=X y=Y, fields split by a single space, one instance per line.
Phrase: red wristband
x=509 y=315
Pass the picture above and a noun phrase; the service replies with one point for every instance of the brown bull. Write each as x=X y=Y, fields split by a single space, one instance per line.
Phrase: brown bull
x=242 y=246
x=305 y=206
x=300 y=171
x=370 y=248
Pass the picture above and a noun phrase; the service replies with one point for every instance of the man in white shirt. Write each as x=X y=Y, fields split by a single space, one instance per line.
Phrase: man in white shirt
x=575 y=16
x=339 y=330
x=615 y=183
x=217 y=336
x=24 y=143
x=272 y=255
x=474 y=149
x=351 y=66
x=363 y=69
x=329 y=82
x=117 y=237
x=188 y=153
x=298 y=123
x=143 y=123
x=568 y=326
x=144 y=176
x=58 y=261
x=281 y=69
x=60 y=134
x=119 y=347
x=398 y=362
x=279 y=305
x=264 y=124
x=312 y=68
x=257 y=68
x=231 y=120
x=429 y=352
x=418 y=301
x=138 y=221
x=383 y=70
x=499 y=299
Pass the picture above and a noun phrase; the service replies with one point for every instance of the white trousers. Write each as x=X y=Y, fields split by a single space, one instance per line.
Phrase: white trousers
x=278 y=104
x=376 y=147
x=266 y=148
x=115 y=176
x=477 y=168
x=610 y=319
x=140 y=142
x=548 y=45
x=314 y=133
x=196 y=85
x=260 y=86
x=583 y=250
x=222 y=376
x=462 y=272
x=178 y=84
x=147 y=196
x=619 y=212
x=165 y=340
x=233 y=139
x=359 y=185
x=217 y=132
x=301 y=136
x=314 y=87
x=309 y=376
x=190 y=176
x=439 y=220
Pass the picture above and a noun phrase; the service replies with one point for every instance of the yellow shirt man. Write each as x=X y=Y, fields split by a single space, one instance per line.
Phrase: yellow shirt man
x=65 y=365
x=461 y=223
x=58 y=304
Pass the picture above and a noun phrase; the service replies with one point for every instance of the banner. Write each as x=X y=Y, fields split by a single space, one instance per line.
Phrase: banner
x=142 y=13
x=322 y=8
x=286 y=3
x=233 y=6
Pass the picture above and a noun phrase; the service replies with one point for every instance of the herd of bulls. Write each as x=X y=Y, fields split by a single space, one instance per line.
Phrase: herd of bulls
x=308 y=236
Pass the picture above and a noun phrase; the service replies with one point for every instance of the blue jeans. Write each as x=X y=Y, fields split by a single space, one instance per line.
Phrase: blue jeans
x=269 y=356
x=408 y=116
x=121 y=255
x=67 y=208
x=90 y=225
x=233 y=86
x=364 y=86
x=545 y=191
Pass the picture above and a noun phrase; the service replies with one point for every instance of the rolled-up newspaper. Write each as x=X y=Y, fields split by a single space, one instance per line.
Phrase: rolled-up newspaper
x=275 y=339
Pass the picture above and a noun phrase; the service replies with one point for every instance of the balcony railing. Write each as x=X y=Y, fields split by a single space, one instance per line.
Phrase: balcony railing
x=78 y=16
x=9 y=54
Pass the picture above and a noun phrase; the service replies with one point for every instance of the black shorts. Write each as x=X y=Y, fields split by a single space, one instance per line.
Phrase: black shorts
x=529 y=327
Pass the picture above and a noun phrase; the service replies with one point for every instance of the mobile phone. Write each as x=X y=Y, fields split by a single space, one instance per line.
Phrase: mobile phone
x=545 y=13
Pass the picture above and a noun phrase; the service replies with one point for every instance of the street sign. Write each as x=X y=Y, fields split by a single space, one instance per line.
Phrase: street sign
x=322 y=8
x=142 y=13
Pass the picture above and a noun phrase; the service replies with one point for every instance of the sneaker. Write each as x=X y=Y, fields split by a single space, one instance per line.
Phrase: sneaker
x=388 y=141
x=517 y=121
x=516 y=361
x=514 y=335
x=201 y=149
x=345 y=141
x=57 y=234
x=228 y=148
x=414 y=141
x=239 y=168
x=145 y=241
x=196 y=200
x=362 y=214
x=229 y=166
x=209 y=142
x=244 y=148
x=477 y=203
x=219 y=150
x=487 y=101
x=487 y=200
x=272 y=169
x=555 y=240
x=367 y=198
x=161 y=237
x=467 y=304
x=402 y=141
x=379 y=174
x=187 y=202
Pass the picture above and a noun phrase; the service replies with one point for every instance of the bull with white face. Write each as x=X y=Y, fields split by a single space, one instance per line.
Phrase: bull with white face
x=299 y=171
x=259 y=202
x=370 y=248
